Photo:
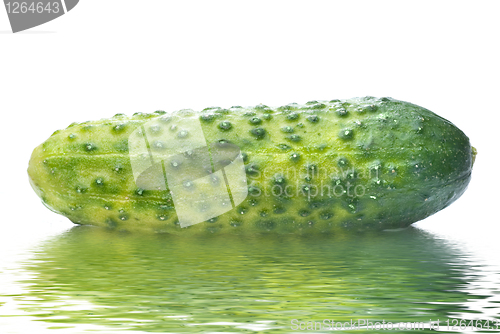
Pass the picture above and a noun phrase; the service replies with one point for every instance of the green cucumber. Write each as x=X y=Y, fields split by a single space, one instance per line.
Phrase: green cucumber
x=323 y=167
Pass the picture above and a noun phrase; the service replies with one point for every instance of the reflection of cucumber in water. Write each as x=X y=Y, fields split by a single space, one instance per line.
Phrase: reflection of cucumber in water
x=322 y=167
x=165 y=284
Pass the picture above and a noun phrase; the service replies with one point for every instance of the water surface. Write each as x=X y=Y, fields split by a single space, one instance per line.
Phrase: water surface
x=94 y=279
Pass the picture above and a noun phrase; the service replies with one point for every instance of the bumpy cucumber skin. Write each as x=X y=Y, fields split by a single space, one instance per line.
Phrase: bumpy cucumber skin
x=409 y=162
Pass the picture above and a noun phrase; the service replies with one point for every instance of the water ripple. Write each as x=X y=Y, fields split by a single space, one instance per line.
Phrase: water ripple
x=92 y=279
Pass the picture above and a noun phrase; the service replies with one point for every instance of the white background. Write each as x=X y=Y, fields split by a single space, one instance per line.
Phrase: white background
x=106 y=57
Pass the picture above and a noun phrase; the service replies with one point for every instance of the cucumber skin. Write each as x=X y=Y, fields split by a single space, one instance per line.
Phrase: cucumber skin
x=424 y=164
